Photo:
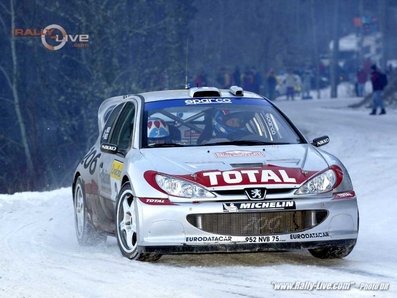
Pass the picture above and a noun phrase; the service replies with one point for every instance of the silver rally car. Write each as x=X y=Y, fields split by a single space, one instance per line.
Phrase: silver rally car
x=205 y=170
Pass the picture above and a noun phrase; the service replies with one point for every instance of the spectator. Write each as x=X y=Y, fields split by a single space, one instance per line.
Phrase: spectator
x=362 y=77
x=248 y=80
x=257 y=80
x=290 y=83
x=228 y=79
x=306 y=85
x=237 y=76
x=224 y=78
x=389 y=69
x=200 y=80
x=379 y=82
x=220 y=77
x=271 y=82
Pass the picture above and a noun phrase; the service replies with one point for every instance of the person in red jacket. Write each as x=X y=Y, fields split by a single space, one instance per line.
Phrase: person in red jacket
x=362 y=77
x=379 y=82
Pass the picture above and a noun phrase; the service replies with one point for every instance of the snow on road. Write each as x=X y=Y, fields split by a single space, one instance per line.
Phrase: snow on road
x=40 y=257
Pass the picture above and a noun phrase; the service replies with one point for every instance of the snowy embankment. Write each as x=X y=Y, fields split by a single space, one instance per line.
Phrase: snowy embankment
x=39 y=255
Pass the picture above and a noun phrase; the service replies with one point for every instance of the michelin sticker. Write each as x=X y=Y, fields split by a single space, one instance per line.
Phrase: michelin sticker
x=235 y=207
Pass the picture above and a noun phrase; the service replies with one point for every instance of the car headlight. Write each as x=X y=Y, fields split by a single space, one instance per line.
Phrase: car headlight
x=324 y=182
x=181 y=188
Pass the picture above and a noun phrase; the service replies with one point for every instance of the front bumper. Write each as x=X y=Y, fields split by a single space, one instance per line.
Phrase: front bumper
x=166 y=229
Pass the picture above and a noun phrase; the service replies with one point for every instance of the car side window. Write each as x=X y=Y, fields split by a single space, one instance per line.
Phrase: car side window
x=122 y=131
x=110 y=117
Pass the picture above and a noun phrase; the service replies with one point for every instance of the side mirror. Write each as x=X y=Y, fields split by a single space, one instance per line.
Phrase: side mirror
x=320 y=141
x=109 y=148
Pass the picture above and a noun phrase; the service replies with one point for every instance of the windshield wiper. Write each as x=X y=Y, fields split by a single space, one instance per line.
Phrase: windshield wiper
x=244 y=143
x=165 y=145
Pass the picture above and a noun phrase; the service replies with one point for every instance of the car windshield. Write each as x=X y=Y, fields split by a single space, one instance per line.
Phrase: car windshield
x=214 y=121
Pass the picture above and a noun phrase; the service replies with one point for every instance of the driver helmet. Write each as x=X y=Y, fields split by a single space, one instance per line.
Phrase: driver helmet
x=157 y=129
x=226 y=123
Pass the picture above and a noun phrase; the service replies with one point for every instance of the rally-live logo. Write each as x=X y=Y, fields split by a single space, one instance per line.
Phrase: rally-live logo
x=54 y=37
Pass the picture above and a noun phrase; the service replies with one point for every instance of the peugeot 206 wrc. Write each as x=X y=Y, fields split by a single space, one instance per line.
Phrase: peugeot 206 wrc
x=208 y=170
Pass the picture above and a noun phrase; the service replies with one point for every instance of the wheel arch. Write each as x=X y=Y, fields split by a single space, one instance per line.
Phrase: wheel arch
x=76 y=176
x=125 y=180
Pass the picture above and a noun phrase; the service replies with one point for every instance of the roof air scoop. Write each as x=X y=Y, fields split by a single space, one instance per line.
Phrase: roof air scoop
x=204 y=92
x=236 y=90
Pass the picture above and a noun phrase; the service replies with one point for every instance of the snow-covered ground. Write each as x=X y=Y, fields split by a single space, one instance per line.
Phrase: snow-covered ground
x=39 y=255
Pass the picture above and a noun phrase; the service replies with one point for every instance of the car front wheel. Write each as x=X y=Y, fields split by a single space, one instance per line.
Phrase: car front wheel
x=127 y=227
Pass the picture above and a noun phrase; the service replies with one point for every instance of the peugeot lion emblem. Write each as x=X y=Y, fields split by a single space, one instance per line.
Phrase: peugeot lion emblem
x=256 y=193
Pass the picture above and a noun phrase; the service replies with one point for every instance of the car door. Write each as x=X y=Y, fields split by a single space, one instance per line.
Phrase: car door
x=94 y=161
x=114 y=148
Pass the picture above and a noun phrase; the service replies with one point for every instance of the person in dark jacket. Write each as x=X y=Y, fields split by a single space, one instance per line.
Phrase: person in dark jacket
x=271 y=82
x=379 y=82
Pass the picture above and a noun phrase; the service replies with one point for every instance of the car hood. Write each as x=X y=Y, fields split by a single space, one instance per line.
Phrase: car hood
x=294 y=163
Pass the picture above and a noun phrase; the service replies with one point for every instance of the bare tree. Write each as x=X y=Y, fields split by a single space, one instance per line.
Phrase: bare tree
x=382 y=25
x=12 y=81
x=316 y=58
x=335 y=52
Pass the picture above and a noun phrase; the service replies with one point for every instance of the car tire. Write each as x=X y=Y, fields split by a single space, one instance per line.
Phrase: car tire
x=85 y=231
x=332 y=252
x=127 y=227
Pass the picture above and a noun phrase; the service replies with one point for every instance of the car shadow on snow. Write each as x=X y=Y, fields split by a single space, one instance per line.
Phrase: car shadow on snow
x=270 y=259
x=261 y=259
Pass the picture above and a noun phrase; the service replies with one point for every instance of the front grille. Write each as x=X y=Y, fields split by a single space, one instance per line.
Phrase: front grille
x=257 y=223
